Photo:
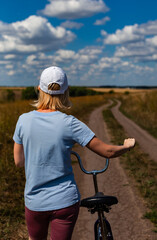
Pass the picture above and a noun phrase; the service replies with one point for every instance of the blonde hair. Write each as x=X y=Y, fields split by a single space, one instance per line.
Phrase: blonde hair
x=54 y=102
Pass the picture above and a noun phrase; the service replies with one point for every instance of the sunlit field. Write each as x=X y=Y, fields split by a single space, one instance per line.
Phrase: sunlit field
x=142 y=109
x=120 y=90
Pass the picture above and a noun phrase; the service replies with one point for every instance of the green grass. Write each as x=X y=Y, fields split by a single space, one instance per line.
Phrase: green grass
x=139 y=166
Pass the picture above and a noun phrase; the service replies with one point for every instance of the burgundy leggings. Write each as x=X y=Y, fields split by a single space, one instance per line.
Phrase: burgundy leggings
x=61 y=221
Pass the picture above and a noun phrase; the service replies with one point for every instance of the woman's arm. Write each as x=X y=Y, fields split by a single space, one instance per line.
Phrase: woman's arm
x=19 y=155
x=110 y=151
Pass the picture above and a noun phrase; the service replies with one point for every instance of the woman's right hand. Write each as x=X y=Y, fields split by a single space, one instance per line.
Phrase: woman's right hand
x=129 y=143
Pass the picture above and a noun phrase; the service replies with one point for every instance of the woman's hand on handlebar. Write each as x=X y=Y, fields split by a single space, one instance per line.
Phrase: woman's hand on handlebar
x=129 y=143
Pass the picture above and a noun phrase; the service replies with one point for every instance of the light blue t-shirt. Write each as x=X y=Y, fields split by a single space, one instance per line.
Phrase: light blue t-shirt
x=47 y=139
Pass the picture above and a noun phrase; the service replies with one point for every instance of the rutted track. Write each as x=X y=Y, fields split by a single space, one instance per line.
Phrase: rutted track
x=145 y=140
x=126 y=217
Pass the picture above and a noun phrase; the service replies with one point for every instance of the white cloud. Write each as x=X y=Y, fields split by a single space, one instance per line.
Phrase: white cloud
x=149 y=28
x=64 y=56
x=140 y=51
x=84 y=56
x=9 y=66
x=137 y=41
x=103 y=33
x=3 y=62
x=134 y=51
x=73 y=9
x=72 y=25
x=109 y=62
x=102 y=21
x=152 y=41
x=31 y=60
x=109 y=67
x=75 y=63
x=91 y=50
x=126 y=35
x=89 y=55
x=31 y=35
x=132 y=33
x=9 y=56
x=11 y=72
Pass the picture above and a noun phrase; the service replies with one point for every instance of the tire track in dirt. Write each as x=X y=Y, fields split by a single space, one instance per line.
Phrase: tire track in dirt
x=125 y=217
x=147 y=143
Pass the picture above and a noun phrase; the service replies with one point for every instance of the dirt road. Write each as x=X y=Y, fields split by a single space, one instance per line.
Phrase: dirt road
x=126 y=217
x=147 y=143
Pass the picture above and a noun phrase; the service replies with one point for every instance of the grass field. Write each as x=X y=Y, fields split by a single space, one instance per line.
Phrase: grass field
x=142 y=109
x=121 y=90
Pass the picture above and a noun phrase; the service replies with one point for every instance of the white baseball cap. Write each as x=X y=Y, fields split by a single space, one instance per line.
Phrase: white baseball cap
x=51 y=75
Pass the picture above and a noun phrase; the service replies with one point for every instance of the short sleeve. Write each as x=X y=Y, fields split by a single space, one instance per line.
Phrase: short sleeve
x=81 y=132
x=17 y=134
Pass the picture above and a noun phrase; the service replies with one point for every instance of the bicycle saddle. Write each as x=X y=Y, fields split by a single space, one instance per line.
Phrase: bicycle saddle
x=97 y=199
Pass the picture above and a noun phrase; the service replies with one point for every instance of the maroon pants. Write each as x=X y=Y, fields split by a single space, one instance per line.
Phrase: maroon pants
x=61 y=221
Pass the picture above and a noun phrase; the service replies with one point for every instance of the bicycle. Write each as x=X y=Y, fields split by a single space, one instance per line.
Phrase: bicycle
x=98 y=203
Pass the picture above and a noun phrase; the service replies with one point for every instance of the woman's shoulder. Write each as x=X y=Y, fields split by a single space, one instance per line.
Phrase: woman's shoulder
x=69 y=117
x=25 y=115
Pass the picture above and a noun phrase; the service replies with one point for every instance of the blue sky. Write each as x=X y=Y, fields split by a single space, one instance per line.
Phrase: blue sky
x=96 y=42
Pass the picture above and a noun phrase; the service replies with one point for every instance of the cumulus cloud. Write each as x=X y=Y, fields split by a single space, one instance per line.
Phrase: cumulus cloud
x=149 y=28
x=126 y=35
x=109 y=67
x=84 y=56
x=137 y=41
x=103 y=33
x=89 y=55
x=31 y=60
x=102 y=21
x=10 y=56
x=109 y=63
x=11 y=72
x=140 y=51
x=132 y=33
x=71 y=25
x=134 y=50
x=73 y=9
x=152 y=41
x=64 y=56
x=75 y=63
x=31 y=35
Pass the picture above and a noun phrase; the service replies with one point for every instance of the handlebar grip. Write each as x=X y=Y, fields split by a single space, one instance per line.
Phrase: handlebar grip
x=93 y=171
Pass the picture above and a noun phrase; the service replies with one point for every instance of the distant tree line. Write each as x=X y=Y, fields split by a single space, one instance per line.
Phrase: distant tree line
x=82 y=91
x=31 y=92
x=131 y=87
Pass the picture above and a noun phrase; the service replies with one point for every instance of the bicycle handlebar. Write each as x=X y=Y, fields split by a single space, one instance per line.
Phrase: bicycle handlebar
x=94 y=172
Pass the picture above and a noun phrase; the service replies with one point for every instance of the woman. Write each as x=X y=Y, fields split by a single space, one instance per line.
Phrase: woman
x=43 y=141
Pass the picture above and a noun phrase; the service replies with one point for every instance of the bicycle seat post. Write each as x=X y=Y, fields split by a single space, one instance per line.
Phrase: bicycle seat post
x=95 y=182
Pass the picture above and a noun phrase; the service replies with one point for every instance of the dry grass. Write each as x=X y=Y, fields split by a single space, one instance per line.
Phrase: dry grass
x=120 y=90
x=142 y=108
x=4 y=93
